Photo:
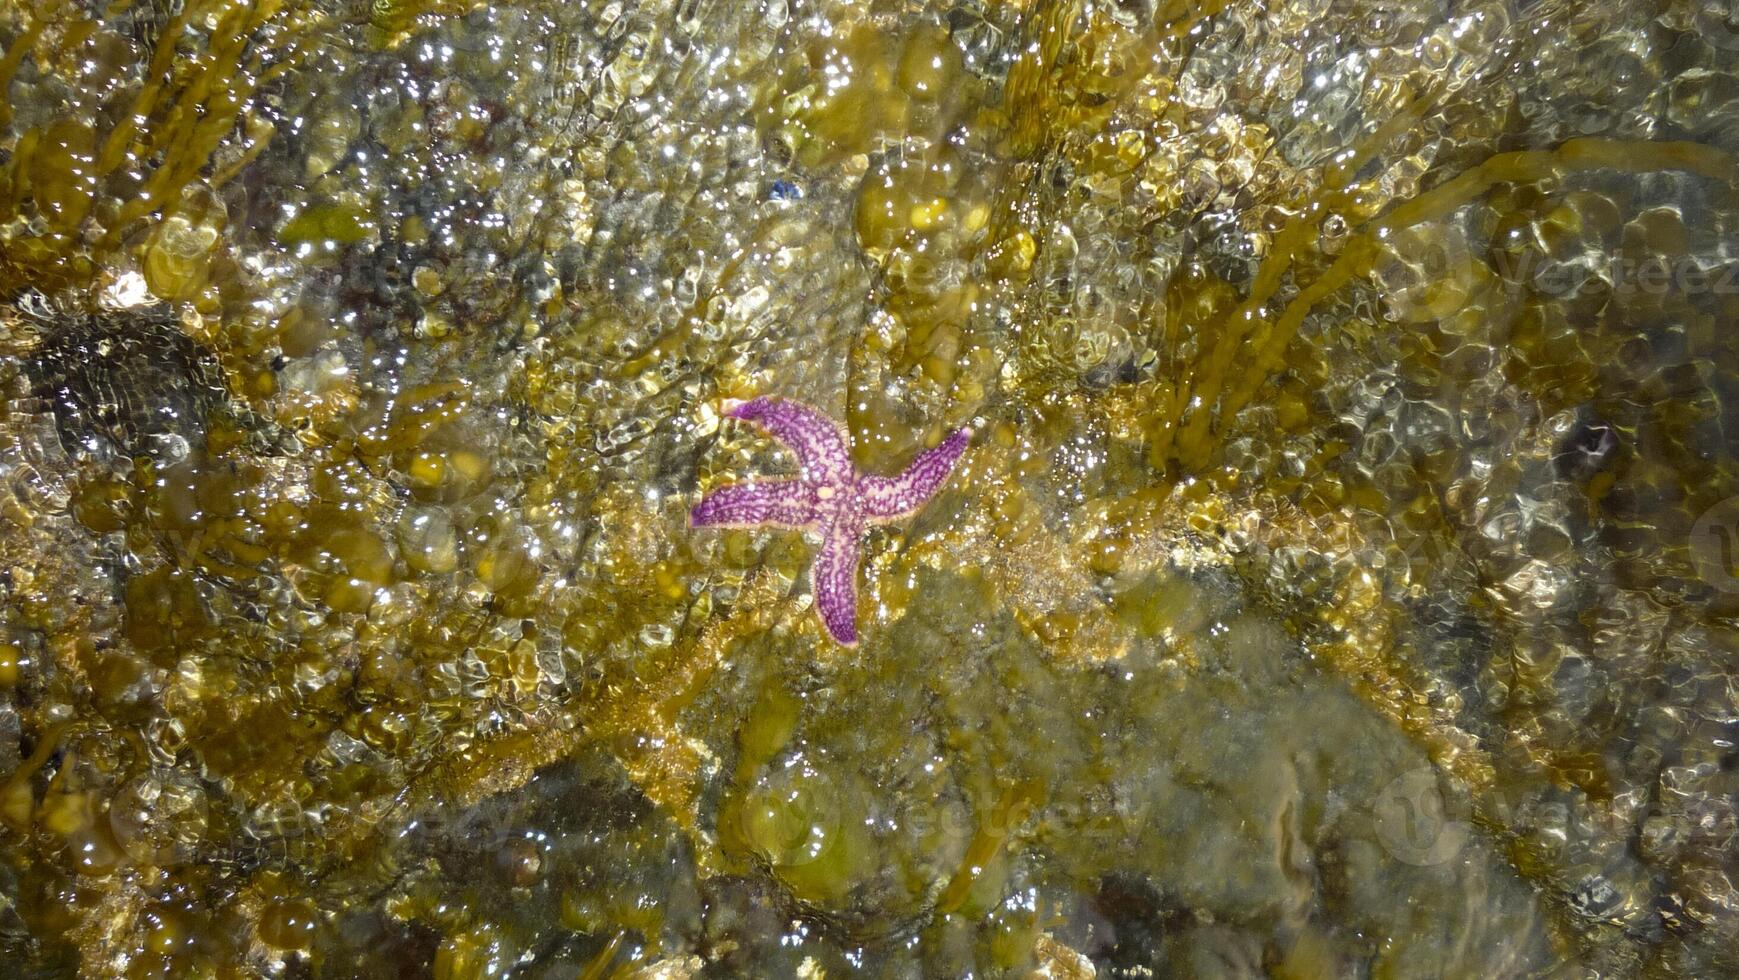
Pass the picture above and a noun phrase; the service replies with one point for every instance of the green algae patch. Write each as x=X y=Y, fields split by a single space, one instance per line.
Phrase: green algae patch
x=327 y=225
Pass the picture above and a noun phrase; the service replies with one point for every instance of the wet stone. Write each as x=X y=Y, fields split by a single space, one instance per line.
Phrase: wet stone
x=123 y=384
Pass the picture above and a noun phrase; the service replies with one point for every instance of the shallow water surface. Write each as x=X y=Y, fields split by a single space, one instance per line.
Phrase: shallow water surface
x=1339 y=579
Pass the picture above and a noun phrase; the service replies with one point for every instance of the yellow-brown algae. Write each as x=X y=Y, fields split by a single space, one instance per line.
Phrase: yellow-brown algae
x=1338 y=581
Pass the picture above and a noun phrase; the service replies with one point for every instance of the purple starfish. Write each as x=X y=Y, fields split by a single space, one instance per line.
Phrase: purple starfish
x=829 y=494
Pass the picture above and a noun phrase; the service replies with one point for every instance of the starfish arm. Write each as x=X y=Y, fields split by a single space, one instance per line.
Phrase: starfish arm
x=786 y=503
x=887 y=498
x=822 y=451
x=835 y=577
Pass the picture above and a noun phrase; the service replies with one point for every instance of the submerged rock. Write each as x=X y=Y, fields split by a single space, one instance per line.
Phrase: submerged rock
x=125 y=383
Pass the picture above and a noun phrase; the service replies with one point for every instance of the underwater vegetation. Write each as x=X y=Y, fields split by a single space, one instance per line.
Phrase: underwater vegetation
x=1338 y=581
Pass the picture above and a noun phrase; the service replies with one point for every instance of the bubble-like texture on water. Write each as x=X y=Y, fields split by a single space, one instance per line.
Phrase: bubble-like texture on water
x=1340 y=578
